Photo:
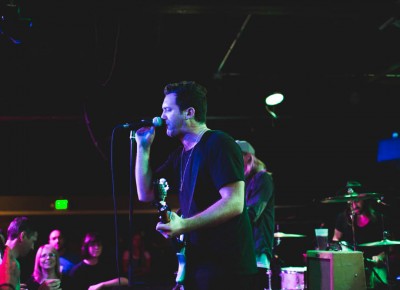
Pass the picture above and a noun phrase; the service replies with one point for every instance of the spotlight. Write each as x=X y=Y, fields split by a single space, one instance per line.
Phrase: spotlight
x=274 y=99
x=271 y=101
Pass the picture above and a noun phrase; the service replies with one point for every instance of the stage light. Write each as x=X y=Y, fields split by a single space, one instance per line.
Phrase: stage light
x=271 y=101
x=274 y=99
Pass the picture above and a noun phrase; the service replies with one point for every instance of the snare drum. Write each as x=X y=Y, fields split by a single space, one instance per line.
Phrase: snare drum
x=293 y=278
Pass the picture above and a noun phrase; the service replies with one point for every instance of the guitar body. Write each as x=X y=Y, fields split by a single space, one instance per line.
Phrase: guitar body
x=164 y=216
x=180 y=275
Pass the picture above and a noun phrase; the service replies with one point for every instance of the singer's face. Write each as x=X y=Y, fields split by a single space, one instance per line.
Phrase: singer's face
x=174 y=118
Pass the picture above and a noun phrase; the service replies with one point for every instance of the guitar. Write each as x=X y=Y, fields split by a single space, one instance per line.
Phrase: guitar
x=160 y=203
x=164 y=216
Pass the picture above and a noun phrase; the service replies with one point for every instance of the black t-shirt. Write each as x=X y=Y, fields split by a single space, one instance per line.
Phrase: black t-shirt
x=32 y=284
x=215 y=162
x=259 y=191
x=372 y=232
x=83 y=275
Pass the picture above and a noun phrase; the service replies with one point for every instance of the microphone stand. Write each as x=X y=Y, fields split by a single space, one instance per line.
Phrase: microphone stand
x=130 y=265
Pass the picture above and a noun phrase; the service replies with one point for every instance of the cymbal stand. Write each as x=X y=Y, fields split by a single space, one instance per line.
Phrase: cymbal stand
x=352 y=216
x=385 y=236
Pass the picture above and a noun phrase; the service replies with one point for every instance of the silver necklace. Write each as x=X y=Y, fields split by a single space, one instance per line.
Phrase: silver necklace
x=190 y=155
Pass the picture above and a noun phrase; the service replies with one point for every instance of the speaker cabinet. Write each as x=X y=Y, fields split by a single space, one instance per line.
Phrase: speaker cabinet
x=335 y=270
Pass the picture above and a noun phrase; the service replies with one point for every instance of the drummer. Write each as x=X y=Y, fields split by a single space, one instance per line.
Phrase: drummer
x=368 y=227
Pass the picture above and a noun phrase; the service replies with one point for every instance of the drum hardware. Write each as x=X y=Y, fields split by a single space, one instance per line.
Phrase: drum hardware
x=279 y=235
x=352 y=196
x=382 y=243
x=269 y=273
x=293 y=278
x=285 y=235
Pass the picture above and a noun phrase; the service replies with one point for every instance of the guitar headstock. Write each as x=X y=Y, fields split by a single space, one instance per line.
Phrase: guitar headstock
x=163 y=208
x=163 y=188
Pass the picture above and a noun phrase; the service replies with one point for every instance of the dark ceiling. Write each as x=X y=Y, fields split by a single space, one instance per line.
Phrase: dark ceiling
x=82 y=67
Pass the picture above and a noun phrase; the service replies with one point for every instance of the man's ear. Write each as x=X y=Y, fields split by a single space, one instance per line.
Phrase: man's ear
x=22 y=235
x=189 y=113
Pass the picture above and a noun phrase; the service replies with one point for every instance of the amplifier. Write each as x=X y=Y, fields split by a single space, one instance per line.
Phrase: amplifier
x=335 y=270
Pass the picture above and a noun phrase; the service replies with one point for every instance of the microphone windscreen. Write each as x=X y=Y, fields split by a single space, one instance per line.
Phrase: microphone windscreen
x=157 y=122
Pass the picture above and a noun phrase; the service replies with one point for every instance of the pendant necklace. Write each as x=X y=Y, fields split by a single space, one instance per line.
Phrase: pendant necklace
x=190 y=155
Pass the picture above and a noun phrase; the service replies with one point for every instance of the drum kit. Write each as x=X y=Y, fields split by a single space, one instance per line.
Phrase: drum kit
x=293 y=277
x=351 y=197
x=290 y=277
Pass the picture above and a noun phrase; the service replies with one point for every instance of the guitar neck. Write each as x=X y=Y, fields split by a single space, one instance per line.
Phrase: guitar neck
x=164 y=213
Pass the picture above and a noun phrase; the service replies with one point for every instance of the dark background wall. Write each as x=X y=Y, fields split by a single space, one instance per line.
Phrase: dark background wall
x=70 y=72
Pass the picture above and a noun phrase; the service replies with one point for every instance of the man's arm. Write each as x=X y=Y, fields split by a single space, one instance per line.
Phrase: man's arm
x=260 y=195
x=337 y=236
x=9 y=271
x=230 y=205
x=109 y=283
x=143 y=172
x=6 y=286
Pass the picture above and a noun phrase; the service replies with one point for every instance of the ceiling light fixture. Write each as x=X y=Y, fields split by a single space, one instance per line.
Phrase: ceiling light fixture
x=274 y=99
x=271 y=101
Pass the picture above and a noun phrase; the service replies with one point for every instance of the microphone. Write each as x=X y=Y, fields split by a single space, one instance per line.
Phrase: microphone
x=156 y=122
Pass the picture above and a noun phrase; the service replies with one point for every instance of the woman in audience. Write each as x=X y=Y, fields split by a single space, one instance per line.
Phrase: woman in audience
x=92 y=272
x=138 y=258
x=46 y=273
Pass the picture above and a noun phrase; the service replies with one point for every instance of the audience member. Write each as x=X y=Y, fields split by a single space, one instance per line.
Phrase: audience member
x=138 y=257
x=92 y=272
x=2 y=244
x=21 y=238
x=46 y=273
x=260 y=201
x=67 y=259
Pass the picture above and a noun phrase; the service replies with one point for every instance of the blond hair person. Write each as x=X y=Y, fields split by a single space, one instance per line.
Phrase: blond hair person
x=46 y=272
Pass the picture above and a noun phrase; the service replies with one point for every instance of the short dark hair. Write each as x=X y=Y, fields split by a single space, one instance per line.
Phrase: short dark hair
x=19 y=225
x=190 y=94
x=89 y=239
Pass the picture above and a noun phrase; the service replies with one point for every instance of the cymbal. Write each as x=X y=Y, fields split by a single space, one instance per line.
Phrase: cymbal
x=385 y=242
x=351 y=197
x=284 y=235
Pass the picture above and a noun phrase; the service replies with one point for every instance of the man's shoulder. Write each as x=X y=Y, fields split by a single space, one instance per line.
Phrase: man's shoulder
x=9 y=268
x=77 y=268
x=218 y=137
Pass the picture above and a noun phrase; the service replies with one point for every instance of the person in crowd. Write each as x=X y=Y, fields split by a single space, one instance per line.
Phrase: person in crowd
x=93 y=272
x=138 y=258
x=368 y=227
x=21 y=238
x=260 y=200
x=2 y=244
x=46 y=272
x=67 y=259
x=206 y=171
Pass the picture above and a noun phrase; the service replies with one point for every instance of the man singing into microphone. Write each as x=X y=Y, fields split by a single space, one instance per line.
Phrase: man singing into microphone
x=206 y=171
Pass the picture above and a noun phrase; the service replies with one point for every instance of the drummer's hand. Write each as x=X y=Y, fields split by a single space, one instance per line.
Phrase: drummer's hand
x=379 y=260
